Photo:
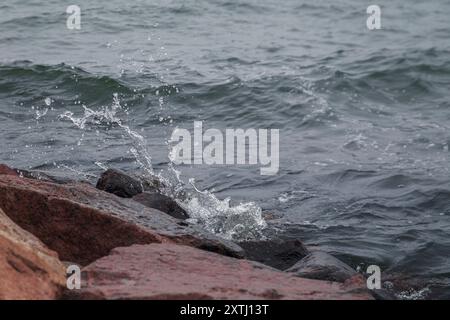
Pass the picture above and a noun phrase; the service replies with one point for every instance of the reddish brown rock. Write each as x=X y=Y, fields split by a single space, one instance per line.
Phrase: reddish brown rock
x=83 y=224
x=33 y=174
x=167 y=271
x=28 y=270
x=4 y=169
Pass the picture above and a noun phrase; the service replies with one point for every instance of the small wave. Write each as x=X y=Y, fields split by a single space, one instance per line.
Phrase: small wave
x=243 y=7
x=24 y=78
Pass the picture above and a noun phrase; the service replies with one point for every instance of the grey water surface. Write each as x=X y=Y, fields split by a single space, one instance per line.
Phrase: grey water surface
x=364 y=115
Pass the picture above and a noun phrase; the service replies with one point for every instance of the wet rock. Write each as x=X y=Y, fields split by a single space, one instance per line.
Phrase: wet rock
x=162 y=203
x=43 y=176
x=322 y=266
x=28 y=269
x=82 y=223
x=77 y=232
x=119 y=183
x=397 y=285
x=33 y=174
x=5 y=170
x=167 y=271
x=277 y=253
x=359 y=283
x=383 y=294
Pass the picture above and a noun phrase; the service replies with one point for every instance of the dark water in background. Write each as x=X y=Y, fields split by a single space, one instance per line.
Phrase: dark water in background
x=363 y=115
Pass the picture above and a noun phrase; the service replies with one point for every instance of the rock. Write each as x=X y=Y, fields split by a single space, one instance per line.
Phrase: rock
x=4 y=169
x=167 y=271
x=383 y=294
x=82 y=223
x=43 y=176
x=162 y=203
x=359 y=283
x=277 y=253
x=322 y=266
x=28 y=269
x=396 y=285
x=33 y=174
x=119 y=183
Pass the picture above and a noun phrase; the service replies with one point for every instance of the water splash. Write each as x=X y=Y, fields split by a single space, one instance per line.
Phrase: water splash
x=240 y=222
x=109 y=115
x=412 y=294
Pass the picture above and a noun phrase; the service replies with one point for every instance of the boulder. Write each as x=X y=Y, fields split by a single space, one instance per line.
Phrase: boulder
x=43 y=176
x=82 y=223
x=167 y=271
x=5 y=170
x=322 y=266
x=277 y=253
x=33 y=174
x=119 y=183
x=162 y=203
x=28 y=269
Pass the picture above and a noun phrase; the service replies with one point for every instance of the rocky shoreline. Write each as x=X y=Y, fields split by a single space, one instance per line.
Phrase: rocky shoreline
x=131 y=242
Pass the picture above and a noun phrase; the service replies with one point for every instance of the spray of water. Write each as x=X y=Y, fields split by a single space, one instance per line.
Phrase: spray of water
x=109 y=115
x=243 y=221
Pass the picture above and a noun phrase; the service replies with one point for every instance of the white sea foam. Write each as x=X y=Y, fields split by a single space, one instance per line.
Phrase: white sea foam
x=412 y=294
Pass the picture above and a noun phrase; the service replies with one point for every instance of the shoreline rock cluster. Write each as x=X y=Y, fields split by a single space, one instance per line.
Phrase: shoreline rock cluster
x=131 y=242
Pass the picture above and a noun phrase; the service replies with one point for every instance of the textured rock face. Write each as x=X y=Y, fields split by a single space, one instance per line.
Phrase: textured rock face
x=166 y=271
x=28 y=270
x=279 y=254
x=323 y=266
x=83 y=224
x=162 y=203
x=55 y=214
x=5 y=170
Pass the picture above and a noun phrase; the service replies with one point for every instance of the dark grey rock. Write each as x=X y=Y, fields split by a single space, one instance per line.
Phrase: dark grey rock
x=322 y=266
x=277 y=253
x=383 y=294
x=162 y=203
x=119 y=183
